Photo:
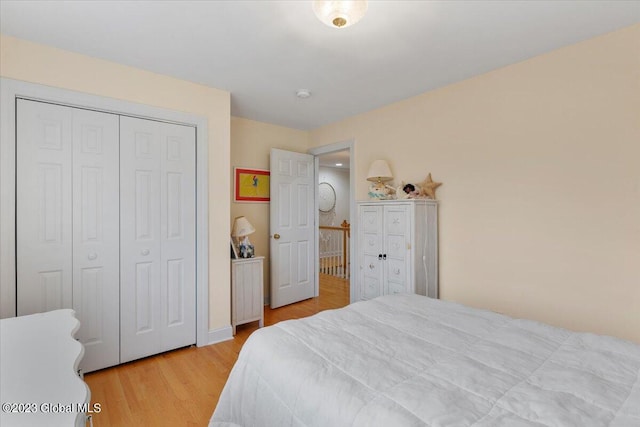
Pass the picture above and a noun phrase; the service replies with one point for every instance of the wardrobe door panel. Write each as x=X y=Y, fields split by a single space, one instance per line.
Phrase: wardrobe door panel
x=370 y=241
x=397 y=231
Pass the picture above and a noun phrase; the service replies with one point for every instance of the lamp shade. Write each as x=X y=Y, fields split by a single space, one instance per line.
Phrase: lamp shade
x=340 y=13
x=379 y=171
x=242 y=227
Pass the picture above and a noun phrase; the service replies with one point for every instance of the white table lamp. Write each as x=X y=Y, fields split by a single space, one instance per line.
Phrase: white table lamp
x=379 y=173
x=241 y=230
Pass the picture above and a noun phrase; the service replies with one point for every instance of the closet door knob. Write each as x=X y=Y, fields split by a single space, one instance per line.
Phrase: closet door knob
x=92 y=256
x=145 y=252
x=276 y=236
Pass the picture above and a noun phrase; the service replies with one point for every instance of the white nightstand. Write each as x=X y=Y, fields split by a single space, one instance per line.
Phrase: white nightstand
x=247 y=291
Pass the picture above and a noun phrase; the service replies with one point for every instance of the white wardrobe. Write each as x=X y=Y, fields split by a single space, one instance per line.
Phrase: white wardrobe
x=397 y=248
x=105 y=224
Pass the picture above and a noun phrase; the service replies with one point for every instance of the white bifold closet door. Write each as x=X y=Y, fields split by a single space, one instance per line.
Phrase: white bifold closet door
x=157 y=237
x=105 y=224
x=67 y=221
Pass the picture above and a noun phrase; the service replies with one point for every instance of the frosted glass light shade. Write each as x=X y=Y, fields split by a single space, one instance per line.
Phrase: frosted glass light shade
x=242 y=227
x=340 y=13
x=379 y=171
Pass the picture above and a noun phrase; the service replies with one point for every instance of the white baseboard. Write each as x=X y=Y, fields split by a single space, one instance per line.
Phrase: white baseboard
x=221 y=334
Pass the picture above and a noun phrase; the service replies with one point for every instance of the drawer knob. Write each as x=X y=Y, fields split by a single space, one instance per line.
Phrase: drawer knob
x=92 y=256
x=145 y=252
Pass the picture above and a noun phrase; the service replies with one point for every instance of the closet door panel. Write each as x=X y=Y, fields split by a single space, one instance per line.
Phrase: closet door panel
x=178 y=219
x=157 y=237
x=43 y=207
x=96 y=287
x=140 y=240
x=106 y=225
x=67 y=221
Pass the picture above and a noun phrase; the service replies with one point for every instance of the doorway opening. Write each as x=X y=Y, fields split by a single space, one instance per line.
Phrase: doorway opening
x=335 y=207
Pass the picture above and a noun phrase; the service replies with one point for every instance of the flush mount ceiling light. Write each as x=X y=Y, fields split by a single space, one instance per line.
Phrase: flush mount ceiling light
x=303 y=93
x=339 y=13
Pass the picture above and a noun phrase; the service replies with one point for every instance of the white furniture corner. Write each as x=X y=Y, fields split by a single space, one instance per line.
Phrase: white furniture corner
x=39 y=380
x=397 y=247
x=247 y=291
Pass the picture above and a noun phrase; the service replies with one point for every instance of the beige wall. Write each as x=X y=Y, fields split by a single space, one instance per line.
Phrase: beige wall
x=541 y=197
x=22 y=60
x=251 y=143
x=540 y=206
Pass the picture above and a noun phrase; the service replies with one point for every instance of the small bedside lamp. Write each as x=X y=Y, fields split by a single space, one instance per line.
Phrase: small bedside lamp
x=241 y=230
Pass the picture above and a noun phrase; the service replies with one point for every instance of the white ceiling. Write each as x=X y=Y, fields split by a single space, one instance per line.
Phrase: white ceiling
x=263 y=51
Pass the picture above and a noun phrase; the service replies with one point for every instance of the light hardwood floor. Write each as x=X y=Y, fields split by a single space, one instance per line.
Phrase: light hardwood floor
x=182 y=387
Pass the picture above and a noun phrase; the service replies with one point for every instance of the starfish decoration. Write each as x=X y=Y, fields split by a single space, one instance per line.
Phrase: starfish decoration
x=429 y=187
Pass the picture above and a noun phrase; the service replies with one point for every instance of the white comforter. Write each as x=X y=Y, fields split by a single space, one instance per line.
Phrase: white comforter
x=408 y=360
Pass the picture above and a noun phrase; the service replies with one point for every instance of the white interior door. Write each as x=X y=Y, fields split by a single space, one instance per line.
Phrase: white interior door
x=292 y=228
x=67 y=221
x=157 y=237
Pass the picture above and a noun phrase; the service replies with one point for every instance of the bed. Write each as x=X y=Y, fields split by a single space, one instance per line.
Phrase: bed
x=409 y=360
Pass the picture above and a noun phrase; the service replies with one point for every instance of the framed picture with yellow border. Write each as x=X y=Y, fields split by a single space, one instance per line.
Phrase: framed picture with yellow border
x=251 y=185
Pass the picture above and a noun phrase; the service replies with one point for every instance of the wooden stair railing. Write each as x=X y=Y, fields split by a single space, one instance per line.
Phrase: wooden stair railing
x=334 y=250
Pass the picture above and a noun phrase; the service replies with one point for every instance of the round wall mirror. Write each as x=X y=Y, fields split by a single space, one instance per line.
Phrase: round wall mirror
x=327 y=197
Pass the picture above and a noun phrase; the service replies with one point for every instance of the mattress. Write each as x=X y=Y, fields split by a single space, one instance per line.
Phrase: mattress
x=409 y=360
